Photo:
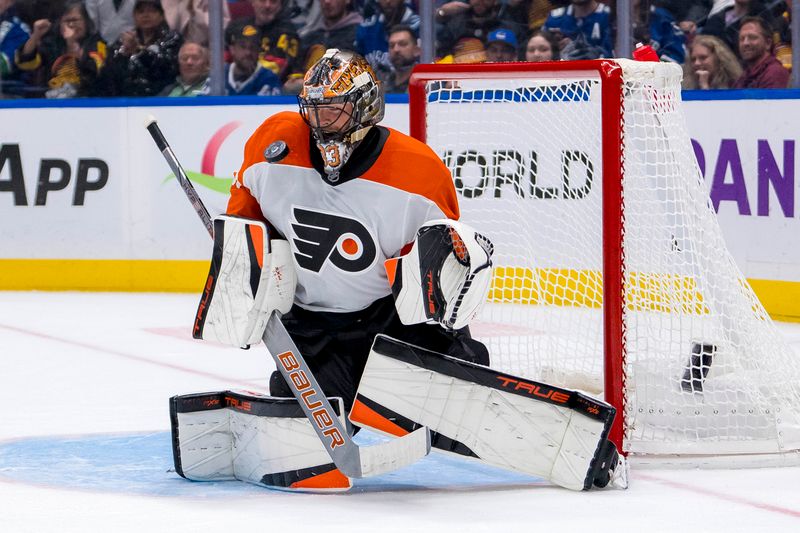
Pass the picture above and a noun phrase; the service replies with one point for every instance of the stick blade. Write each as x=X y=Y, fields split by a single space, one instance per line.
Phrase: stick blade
x=396 y=453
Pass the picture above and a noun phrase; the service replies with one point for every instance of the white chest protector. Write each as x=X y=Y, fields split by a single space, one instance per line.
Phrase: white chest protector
x=340 y=235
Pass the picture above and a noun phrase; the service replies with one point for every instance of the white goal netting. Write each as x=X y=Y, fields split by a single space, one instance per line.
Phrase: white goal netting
x=704 y=370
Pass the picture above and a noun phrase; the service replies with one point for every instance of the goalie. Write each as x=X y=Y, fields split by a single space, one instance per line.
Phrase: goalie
x=346 y=195
x=350 y=230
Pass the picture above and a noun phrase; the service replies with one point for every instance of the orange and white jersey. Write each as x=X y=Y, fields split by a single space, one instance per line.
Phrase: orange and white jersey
x=342 y=232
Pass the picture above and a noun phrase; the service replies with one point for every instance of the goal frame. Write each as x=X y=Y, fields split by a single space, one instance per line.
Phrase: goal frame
x=612 y=148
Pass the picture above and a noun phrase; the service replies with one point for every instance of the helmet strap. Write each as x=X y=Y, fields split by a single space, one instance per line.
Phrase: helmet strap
x=358 y=135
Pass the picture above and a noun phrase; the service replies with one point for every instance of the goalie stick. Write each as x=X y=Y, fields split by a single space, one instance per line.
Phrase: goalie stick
x=351 y=459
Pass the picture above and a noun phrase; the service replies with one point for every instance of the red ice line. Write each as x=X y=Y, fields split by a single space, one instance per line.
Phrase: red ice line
x=720 y=495
x=132 y=357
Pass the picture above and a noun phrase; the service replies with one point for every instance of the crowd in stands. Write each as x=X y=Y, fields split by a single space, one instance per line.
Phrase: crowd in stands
x=70 y=48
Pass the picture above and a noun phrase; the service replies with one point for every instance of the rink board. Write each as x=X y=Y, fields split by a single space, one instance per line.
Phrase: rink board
x=99 y=210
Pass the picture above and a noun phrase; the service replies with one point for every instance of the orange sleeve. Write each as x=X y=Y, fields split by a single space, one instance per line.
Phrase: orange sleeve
x=241 y=202
x=413 y=166
x=440 y=186
x=286 y=126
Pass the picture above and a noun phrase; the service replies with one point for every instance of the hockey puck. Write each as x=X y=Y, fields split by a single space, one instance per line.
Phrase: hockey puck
x=276 y=151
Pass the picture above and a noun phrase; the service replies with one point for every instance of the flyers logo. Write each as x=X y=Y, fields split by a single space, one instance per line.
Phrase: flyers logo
x=323 y=237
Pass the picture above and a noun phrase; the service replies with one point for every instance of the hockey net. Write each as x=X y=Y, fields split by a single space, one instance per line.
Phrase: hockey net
x=611 y=273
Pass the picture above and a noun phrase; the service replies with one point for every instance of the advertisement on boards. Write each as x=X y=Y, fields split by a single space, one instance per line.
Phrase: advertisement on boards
x=88 y=182
x=746 y=152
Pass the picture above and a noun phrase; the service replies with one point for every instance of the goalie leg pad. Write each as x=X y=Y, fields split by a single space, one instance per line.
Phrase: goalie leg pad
x=250 y=276
x=267 y=441
x=477 y=412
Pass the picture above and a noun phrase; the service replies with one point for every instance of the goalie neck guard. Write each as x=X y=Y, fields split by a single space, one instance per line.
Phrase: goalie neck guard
x=341 y=100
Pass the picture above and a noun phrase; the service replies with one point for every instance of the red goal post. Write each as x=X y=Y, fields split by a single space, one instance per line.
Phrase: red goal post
x=620 y=285
x=612 y=206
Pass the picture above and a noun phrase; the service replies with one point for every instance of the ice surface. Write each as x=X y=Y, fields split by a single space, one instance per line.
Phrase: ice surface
x=84 y=446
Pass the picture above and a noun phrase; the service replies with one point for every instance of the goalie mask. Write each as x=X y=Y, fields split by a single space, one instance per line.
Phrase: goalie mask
x=340 y=101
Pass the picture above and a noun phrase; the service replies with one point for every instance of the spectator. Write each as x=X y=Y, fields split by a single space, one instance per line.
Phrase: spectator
x=13 y=34
x=711 y=65
x=542 y=46
x=337 y=29
x=762 y=69
x=783 y=37
x=111 y=17
x=240 y=9
x=588 y=18
x=33 y=10
x=145 y=60
x=477 y=21
x=193 y=69
x=372 y=39
x=306 y=15
x=277 y=36
x=519 y=10
x=190 y=18
x=656 y=26
x=448 y=9
x=726 y=23
x=246 y=75
x=690 y=14
x=501 y=46
x=65 y=61
x=578 y=48
x=469 y=50
x=404 y=53
x=538 y=11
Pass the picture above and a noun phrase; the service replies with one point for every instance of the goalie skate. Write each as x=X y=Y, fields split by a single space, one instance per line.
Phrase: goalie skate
x=245 y=436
